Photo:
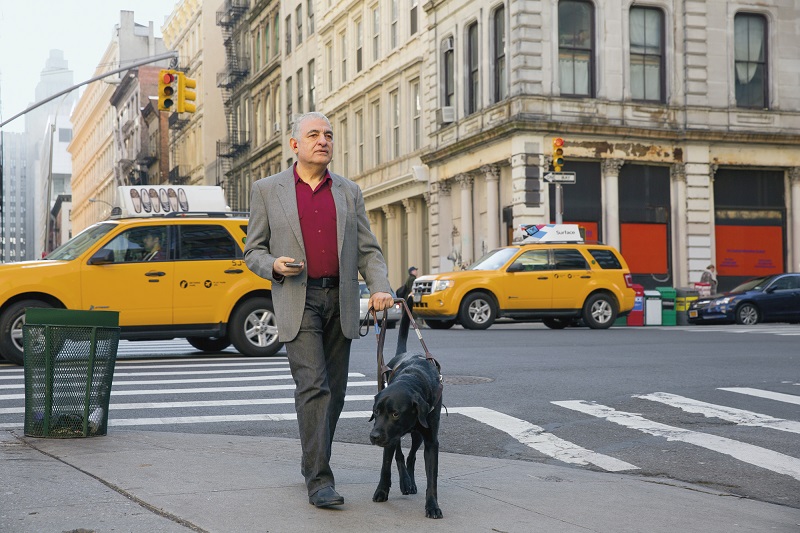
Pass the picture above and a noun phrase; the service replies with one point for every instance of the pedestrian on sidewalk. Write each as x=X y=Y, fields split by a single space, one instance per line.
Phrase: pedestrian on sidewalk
x=710 y=276
x=310 y=236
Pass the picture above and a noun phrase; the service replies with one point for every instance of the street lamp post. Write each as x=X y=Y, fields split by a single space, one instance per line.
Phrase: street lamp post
x=95 y=200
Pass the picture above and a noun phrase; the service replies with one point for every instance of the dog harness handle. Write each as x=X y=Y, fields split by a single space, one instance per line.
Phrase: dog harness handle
x=384 y=372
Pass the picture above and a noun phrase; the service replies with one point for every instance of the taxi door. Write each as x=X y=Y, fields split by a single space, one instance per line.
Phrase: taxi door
x=137 y=282
x=208 y=269
x=529 y=282
x=572 y=277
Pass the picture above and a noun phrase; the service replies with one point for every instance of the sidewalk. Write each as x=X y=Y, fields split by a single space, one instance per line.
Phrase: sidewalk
x=142 y=482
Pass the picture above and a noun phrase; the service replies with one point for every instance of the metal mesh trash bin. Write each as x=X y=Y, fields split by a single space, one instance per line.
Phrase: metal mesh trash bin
x=69 y=365
x=684 y=298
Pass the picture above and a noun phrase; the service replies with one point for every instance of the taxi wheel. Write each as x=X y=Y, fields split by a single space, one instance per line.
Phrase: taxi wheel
x=747 y=315
x=600 y=311
x=11 y=323
x=477 y=311
x=253 y=328
x=210 y=344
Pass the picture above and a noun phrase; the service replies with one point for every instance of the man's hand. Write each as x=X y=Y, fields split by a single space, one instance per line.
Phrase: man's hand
x=380 y=301
x=281 y=267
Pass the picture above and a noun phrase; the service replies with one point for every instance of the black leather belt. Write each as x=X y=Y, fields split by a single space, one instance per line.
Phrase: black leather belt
x=325 y=283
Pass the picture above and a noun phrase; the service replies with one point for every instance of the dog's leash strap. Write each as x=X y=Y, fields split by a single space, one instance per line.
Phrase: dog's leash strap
x=413 y=323
x=383 y=370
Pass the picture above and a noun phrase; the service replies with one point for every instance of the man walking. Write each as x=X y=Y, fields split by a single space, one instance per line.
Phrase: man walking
x=310 y=236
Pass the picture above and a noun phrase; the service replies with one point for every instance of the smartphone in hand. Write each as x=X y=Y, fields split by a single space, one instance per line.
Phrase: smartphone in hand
x=293 y=264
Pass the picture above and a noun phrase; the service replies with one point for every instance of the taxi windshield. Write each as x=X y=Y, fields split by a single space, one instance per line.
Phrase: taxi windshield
x=80 y=243
x=494 y=259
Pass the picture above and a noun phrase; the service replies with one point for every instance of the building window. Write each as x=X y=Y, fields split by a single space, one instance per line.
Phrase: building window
x=298 y=17
x=277 y=33
x=310 y=11
x=448 y=66
x=473 y=75
x=359 y=45
x=393 y=32
x=376 y=33
x=299 y=91
x=258 y=50
x=343 y=51
x=750 y=60
x=289 y=100
x=312 y=86
x=394 y=102
x=413 y=15
x=499 y=52
x=288 y=35
x=266 y=43
x=576 y=48
x=647 y=54
x=359 y=141
x=278 y=108
x=345 y=144
x=329 y=60
x=416 y=116
x=376 y=130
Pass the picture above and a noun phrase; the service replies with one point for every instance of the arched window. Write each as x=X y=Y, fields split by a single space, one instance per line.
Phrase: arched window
x=750 y=60
x=500 y=89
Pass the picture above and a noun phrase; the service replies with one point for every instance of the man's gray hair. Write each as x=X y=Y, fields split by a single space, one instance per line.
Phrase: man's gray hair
x=305 y=116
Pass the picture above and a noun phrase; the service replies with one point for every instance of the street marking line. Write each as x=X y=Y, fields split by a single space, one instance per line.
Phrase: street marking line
x=754 y=455
x=537 y=438
x=769 y=395
x=284 y=368
x=204 y=403
x=116 y=383
x=206 y=390
x=731 y=414
x=263 y=417
x=169 y=364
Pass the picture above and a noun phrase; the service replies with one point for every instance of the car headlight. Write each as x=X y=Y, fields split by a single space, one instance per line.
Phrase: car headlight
x=722 y=301
x=441 y=284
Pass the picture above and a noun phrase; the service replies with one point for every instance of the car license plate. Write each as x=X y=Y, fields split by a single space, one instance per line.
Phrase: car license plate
x=692 y=314
x=417 y=297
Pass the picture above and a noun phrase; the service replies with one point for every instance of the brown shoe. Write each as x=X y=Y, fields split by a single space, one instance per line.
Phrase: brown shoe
x=325 y=497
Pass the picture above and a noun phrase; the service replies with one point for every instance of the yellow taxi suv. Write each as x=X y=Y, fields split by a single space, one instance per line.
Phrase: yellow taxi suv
x=170 y=261
x=552 y=275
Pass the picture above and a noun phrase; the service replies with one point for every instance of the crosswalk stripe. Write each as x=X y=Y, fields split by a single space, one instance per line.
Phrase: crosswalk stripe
x=205 y=403
x=535 y=437
x=262 y=417
x=201 y=372
x=119 y=383
x=731 y=414
x=755 y=455
x=769 y=395
x=205 y=390
x=139 y=366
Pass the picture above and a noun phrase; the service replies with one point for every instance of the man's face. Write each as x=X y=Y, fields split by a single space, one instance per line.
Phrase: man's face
x=150 y=241
x=315 y=145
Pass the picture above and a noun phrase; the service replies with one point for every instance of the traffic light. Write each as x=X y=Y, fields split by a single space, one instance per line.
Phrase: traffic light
x=558 y=154
x=186 y=96
x=165 y=89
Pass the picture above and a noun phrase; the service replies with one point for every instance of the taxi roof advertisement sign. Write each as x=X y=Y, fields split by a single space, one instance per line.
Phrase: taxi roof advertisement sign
x=156 y=200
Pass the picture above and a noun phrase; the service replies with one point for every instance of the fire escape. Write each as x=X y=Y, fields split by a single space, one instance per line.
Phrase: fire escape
x=237 y=67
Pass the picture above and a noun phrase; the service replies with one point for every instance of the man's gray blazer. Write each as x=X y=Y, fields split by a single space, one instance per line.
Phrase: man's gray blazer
x=274 y=231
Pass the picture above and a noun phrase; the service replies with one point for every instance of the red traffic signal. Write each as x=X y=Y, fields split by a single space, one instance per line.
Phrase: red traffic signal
x=558 y=153
x=165 y=89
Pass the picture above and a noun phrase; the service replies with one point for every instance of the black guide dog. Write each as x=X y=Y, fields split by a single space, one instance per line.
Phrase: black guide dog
x=410 y=403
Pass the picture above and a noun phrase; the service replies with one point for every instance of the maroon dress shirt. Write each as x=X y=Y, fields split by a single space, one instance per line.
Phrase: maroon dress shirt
x=317 y=213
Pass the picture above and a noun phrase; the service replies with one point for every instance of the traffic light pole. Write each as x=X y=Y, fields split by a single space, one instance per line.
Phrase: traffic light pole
x=146 y=61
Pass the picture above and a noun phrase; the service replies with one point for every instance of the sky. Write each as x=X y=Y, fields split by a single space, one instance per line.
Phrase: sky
x=29 y=29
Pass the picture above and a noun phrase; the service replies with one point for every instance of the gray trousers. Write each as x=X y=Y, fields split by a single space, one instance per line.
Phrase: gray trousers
x=319 y=358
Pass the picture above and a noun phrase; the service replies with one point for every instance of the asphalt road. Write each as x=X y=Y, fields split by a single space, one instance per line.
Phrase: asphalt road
x=716 y=406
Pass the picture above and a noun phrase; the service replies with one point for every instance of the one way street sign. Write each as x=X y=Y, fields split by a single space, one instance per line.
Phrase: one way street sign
x=560 y=177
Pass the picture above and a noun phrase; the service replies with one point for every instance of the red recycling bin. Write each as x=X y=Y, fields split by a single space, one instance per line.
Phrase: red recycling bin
x=636 y=316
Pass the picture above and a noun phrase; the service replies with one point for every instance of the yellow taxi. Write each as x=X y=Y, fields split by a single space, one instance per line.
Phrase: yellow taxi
x=552 y=275
x=172 y=266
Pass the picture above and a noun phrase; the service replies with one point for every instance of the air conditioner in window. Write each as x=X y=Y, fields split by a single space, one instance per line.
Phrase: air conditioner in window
x=447 y=44
x=446 y=115
x=276 y=127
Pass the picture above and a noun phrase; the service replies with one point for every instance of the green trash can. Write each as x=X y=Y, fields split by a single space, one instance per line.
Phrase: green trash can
x=69 y=361
x=668 y=295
